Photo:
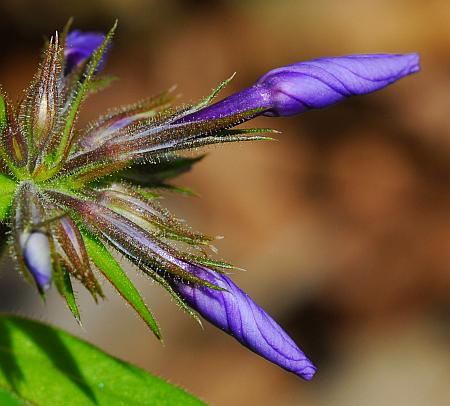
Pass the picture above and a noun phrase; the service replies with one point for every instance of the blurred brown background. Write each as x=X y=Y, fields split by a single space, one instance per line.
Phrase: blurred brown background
x=343 y=225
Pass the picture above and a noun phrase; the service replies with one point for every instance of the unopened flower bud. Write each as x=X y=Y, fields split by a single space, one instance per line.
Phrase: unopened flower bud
x=315 y=84
x=80 y=47
x=233 y=311
x=37 y=257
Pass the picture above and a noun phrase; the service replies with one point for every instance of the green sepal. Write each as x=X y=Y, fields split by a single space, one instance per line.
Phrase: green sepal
x=182 y=190
x=246 y=131
x=147 y=193
x=192 y=135
x=217 y=265
x=154 y=174
x=18 y=172
x=224 y=137
x=102 y=83
x=7 y=189
x=243 y=134
x=94 y=173
x=195 y=240
x=214 y=93
x=111 y=269
x=63 y=283
x=65 y=31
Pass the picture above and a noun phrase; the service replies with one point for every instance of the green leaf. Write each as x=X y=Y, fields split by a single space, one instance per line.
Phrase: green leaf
x=7 y=188
x=106 y=263
x=8 y=398
x=46 y=366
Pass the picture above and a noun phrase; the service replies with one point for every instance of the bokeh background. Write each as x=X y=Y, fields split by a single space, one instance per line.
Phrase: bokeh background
x=343 y=225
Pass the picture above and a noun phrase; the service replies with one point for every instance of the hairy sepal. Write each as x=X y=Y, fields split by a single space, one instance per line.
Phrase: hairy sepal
x=137 y=244
x=119 y=121
x=63 y=283
x=13 y=144
x=39 y=109
x=111 y=269
x=73 y=254
x=56 y=158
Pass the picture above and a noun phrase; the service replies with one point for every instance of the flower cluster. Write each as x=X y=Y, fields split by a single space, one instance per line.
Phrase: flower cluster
x=72 y=197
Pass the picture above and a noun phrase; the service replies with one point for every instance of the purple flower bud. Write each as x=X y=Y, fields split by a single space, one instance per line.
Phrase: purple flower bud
x=315 y=84
x=37 y=257
x=237 y=314
x=79 y=47
x=325 y=81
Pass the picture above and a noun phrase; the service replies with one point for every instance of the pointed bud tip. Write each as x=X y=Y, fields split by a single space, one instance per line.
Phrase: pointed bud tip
x=237 y=314
x=414 y=60
x=308 y=372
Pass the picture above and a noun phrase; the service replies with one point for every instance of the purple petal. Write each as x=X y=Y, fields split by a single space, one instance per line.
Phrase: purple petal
x=302 y=86
x=79 y=47
x=37 y=257
x=237 y=314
